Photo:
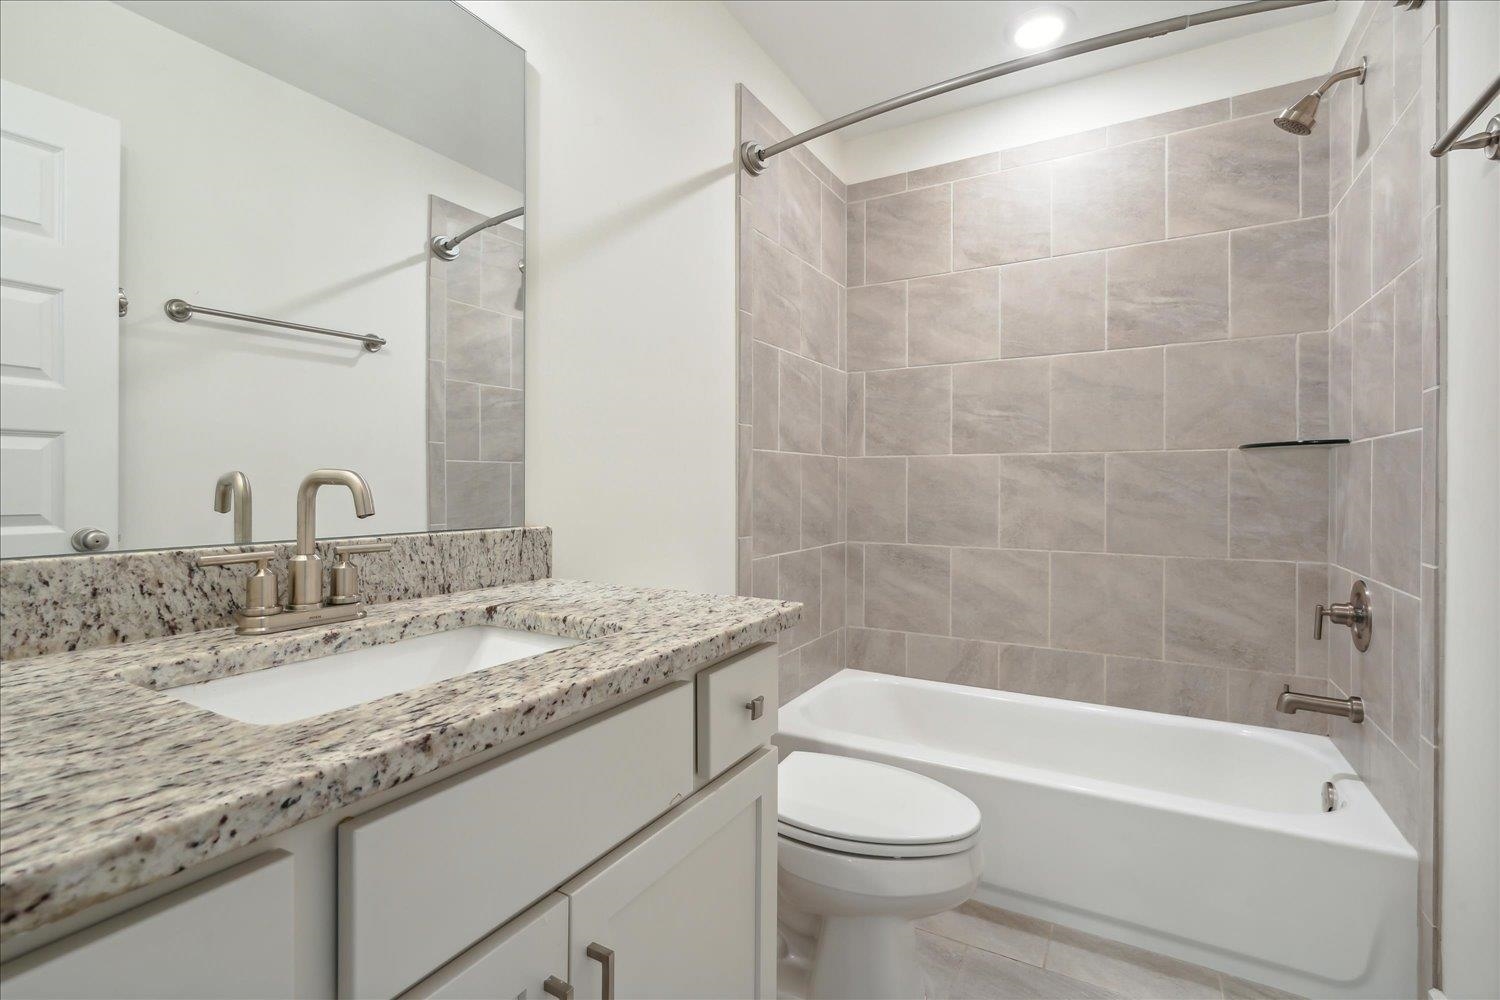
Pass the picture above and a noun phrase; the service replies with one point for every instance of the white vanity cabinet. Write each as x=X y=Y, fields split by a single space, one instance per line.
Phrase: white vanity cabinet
x=631 y=854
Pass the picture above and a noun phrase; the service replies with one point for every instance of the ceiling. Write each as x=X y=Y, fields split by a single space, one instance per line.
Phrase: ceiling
x=847 y=54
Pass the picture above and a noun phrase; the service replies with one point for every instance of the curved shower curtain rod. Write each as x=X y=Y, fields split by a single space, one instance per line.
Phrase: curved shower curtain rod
x=446 y=247
x=753 y=156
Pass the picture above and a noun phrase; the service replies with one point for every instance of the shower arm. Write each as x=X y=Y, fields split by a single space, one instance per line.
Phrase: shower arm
x=753 y=155
x=446 y=247
x=1347 y=74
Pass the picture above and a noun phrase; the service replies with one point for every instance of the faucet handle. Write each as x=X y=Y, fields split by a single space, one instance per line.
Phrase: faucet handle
x=260 y=586
x=343 y=578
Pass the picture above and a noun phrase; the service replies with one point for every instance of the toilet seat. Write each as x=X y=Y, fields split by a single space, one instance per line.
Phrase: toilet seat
x=867 y=809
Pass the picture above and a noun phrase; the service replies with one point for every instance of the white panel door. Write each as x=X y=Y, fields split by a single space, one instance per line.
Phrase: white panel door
x=687 y=907
x=59 y=322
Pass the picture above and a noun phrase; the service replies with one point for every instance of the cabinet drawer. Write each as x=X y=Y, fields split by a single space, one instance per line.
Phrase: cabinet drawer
x=425 y=877
x=728 y=728
x=230 y=935
x=512 y=962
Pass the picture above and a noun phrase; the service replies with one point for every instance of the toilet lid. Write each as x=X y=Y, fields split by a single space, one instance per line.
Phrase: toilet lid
x=847 y=799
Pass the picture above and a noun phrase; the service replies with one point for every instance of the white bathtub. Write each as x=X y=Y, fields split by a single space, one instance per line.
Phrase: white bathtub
x=1202 y=840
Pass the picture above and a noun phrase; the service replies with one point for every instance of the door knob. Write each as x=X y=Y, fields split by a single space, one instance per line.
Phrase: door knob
x=90 y=539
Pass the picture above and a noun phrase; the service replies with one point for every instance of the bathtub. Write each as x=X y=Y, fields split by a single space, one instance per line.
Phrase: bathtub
x=1202 y=840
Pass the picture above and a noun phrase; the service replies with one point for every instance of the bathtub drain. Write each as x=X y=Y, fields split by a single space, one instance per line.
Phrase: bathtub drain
x=1330 y=797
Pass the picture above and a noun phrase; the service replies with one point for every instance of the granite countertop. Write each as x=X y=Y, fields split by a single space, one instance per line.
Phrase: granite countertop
x=107 y=785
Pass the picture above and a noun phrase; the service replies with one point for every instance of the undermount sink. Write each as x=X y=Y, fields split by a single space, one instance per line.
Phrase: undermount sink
x=312 y=687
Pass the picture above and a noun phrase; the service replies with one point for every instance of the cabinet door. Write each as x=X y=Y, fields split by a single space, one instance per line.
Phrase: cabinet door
x=512 y=962
x=687 y=907
x=230 y=935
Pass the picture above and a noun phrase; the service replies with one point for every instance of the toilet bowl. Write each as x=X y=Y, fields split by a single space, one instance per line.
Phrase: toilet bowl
x=865 y=850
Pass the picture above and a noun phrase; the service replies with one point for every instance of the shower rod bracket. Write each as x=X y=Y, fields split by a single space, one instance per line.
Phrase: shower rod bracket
x=751 y=159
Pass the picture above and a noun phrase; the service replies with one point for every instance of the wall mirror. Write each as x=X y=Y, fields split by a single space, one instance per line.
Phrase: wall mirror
x=167 y=162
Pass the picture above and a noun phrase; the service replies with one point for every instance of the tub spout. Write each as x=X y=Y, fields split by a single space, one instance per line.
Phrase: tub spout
x=1291 y=702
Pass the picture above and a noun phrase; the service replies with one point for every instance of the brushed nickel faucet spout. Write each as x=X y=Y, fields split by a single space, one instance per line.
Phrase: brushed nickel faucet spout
x=232 y=492
x=306 y=566
x=1291 y=702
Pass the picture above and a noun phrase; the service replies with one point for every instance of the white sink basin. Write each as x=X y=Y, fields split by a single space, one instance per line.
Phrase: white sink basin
x=312 y=687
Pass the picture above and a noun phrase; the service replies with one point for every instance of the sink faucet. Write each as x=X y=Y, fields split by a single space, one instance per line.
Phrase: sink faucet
x=232 y=492
x=306 y=566
x=306 y=602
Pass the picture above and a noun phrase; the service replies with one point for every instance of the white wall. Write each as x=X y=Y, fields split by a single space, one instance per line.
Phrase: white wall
x=244 y=193
x=1470 y=826
x=630 y=311
x=1213 y=72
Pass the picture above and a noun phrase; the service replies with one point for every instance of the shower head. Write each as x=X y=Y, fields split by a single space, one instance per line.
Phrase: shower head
x=1300 y=118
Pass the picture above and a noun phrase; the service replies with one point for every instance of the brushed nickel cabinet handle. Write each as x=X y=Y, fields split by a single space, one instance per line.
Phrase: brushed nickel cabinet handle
x=757 y=706
x=605 y=957
x=559 y=988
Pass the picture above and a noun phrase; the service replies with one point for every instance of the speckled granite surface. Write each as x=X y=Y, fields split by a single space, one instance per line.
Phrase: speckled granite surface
x=64 y=603
x=107 y=785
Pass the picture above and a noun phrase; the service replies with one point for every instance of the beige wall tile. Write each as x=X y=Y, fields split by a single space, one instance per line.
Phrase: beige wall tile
x=1279 y=278
x=854 y=246
x=1001 y=406
x=1179 y=688
x=776 y=517
x=877 y=327
x=1373 y=359
x=478 y=494
x=1312 y=590
x=1002 y=218
x=953 y=500
x=800 y=399
x=954 y=661
x=1000 y=594
x=855 y=427
x=1408 y=330
x=1052 y=673
x=1169 y=503
x=877 y=187
x=832 y=603
x=877 y=650
x=1109 y=198
x=1239 y=173
x=1108 y=401
x=1396 y=511
x=1052 y=149
x=1226 y=394
x=801 y=212
x=1278 y=503
x=908 y=235
x=802 y=581
x=765 y=382
x=821 y=521
x=835 y=411
x=1396 y=216
x=1351 y=248
x=984 y=163
x=1107 y=603
x=1312 y=386
x=502 y=424
x=478 y=345
x=1314 y=158
x=1271 y=98
x=1374 y=102
x=1341 y=380
x=908 y=412
x=1406 y=699
x=1052 y=502
x=1172 y=292
x=835 y=243
x=1052 y=306
x=461 y=420
x=1169 y=121
x=1231 y=613
x=1349 y=507
x=906 y=588
x=954 y=317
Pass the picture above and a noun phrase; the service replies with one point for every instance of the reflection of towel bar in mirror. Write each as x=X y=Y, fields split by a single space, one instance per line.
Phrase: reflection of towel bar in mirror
x=182 y=311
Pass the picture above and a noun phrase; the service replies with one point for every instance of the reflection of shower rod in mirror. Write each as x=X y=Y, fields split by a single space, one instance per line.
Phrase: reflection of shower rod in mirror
x=446 y=247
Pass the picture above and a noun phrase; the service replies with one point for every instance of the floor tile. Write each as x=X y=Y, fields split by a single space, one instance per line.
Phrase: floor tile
x=941 y=959
x=996 y=930
x=1128 y=971
x=985 y=976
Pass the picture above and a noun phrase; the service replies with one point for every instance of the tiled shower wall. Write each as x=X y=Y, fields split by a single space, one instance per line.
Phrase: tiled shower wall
x=1054 y=352
x=1384 y=392
x=792 y=396
x=476 y=372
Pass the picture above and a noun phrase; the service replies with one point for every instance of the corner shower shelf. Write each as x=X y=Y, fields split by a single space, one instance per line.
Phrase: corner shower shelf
x=1309 y=443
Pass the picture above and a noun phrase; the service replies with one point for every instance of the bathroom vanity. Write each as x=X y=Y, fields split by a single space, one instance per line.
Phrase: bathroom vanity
x=596 y=820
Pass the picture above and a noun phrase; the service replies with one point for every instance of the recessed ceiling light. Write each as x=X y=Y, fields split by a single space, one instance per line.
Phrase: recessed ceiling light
x=1040 y=27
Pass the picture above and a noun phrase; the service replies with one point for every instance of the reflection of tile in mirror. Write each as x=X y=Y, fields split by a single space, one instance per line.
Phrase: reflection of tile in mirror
x=476 y=399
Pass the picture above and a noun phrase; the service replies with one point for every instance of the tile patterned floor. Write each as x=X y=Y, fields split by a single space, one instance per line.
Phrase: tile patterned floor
x=978 y=951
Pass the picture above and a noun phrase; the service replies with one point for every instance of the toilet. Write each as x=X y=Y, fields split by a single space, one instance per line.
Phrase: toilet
x=865 y=851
